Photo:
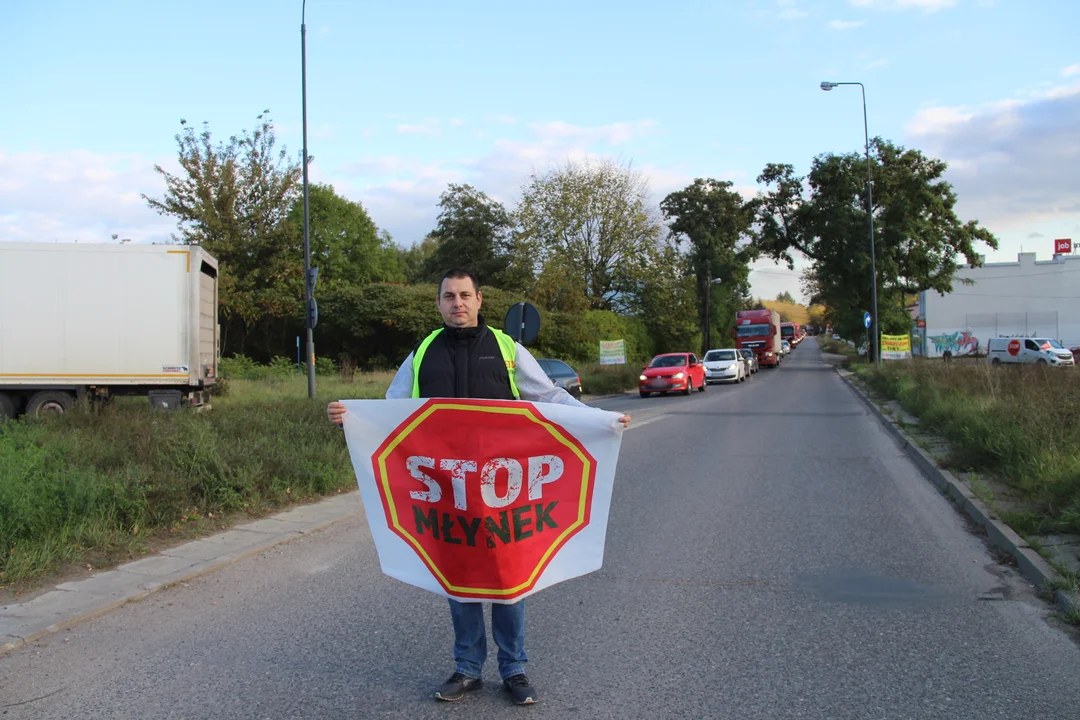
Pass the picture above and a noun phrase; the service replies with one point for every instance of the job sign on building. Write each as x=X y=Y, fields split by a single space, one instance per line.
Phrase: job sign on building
x=484 y=499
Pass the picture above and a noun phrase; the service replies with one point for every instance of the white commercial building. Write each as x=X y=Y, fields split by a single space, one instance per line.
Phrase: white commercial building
x=1026 y=298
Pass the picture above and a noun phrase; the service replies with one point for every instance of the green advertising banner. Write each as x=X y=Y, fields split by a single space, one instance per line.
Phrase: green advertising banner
x=612 y=352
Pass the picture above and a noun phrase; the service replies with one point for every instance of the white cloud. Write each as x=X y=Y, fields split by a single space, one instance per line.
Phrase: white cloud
x=1071 y=70
x=1014 y=163
x=846 y=24
x=613 y=134
x=402 y=194
x=430 y=126
x=80 y=196
x=505 y=119
x=790 y=10
x=925 y=5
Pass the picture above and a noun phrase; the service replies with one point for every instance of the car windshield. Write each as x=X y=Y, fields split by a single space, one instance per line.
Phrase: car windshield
x=752 y=330
x=1046 y=343
x=787 y=331
x=668 y=361
x=747 y=353
x=719 y=355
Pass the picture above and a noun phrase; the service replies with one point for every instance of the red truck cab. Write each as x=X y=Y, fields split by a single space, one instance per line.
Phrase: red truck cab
x=759 y=330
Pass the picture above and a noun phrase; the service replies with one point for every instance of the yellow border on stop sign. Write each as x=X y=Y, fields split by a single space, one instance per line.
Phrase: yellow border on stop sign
x=384 y=480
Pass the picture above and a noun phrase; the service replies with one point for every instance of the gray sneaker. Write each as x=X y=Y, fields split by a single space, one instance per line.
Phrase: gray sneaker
x=456 y=686
x=521 y=690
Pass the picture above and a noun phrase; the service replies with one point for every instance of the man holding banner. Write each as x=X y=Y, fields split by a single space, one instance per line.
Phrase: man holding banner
x=475 y=540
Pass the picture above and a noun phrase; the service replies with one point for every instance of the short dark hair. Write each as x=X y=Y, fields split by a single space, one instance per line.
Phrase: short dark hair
x=458 y=274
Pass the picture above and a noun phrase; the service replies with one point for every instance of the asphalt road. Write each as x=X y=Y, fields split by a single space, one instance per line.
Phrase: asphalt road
x=770 y=554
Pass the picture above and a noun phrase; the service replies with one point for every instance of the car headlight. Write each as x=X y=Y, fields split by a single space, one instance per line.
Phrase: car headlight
x=642 y=377
x=678 y=376
x=733 y=366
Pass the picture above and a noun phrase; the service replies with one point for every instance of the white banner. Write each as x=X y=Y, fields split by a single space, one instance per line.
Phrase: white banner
x=484 y=499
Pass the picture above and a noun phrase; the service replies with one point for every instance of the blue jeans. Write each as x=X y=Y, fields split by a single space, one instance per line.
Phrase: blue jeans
x=470 y=637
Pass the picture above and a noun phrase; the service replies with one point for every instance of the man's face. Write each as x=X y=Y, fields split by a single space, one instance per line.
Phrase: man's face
x=459 y=302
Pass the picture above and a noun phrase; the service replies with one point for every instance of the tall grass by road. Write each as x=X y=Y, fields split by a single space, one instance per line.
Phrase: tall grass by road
x=99 y=486
x=1020 y=423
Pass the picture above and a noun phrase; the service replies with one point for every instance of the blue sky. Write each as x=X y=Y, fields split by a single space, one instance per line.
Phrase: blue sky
x=406 y=97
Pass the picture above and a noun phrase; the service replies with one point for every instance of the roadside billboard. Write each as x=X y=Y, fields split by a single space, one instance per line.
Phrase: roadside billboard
x=895 y=347
x=612 y=352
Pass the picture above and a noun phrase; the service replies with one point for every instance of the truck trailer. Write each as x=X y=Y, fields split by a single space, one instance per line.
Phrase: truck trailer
x=759 y=330
x=95 y=321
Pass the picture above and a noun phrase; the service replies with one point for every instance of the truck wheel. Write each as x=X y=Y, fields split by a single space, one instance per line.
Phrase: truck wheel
x=7 y=407
x=995 y=362
x=1040 y=361
x=49 y=402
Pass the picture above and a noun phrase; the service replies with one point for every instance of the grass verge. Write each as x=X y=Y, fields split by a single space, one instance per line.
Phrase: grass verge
x=1022 y=424
x=98 y=487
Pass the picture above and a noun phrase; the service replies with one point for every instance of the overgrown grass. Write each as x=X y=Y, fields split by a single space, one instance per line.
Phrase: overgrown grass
x=609 y=379
x=1020 y=423
x=101 y=485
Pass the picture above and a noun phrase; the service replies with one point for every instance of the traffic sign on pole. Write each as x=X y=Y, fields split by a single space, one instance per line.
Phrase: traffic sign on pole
x=866 y=320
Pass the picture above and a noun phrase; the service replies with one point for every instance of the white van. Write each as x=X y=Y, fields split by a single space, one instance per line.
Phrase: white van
x=1028 y=351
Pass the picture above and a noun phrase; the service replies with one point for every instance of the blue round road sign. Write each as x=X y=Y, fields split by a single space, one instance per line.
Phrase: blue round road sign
x=866 y=320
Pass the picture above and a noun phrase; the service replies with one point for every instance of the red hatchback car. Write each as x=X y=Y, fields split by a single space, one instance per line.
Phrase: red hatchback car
x=672 y=372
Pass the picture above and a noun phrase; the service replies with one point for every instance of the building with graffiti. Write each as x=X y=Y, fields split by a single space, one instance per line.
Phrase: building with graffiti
x=1026 y=298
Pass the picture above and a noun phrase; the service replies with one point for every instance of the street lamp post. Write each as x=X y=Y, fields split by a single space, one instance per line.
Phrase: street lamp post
x=827 y=86
x=308 y=279
x=708 y=310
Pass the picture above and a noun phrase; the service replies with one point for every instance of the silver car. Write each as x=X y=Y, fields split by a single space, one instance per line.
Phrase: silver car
x=751 y=360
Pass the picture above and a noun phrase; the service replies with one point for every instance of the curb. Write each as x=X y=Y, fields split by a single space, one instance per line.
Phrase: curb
x=74 y=602
x=1031 y=565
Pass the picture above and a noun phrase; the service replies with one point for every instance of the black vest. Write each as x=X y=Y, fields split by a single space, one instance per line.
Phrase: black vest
x=464 y=363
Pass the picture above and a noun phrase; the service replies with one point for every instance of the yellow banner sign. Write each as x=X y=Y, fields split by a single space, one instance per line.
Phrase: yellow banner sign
x=895 y=347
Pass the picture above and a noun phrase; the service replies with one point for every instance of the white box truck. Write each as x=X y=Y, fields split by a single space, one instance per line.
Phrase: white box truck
x=86 y=320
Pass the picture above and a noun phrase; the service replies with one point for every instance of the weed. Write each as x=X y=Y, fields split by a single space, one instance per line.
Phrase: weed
x=102 y=483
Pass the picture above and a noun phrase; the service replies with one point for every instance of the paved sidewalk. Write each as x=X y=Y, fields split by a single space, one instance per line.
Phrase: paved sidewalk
x=73 y=602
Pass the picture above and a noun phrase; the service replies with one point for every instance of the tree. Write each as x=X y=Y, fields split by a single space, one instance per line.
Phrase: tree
x=474 y=232
x=594 y=217
x=666 y=302
x=716 y=222
x=233 y=198
x=785 y=297
x=414 y=260
x=918 y=238
x=346 y=245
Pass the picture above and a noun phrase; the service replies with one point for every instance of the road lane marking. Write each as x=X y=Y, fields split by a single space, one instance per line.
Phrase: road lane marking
x=643 y=423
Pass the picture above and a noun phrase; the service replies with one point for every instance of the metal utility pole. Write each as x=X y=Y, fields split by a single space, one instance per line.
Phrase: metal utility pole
x=826 y=86
x=708 y=311
x=309 y=302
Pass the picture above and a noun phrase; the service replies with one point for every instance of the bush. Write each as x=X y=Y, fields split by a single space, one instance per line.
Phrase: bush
x=609 y=379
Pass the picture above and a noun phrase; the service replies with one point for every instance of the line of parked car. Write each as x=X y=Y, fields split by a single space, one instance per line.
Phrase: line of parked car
x=682 y=372
x=677 y=372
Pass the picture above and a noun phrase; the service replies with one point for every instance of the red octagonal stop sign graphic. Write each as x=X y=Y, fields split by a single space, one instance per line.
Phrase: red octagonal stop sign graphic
x=1014 y=347
x=485 y=492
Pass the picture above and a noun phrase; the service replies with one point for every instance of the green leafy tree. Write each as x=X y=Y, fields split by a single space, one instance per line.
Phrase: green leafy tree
x=595 y=219
x=415 y=260
x=785 y=297
x=716 y=222
x=475 y=232
x=233 y=198
x=918 y=238
x=346 y=245
x=666 y=302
